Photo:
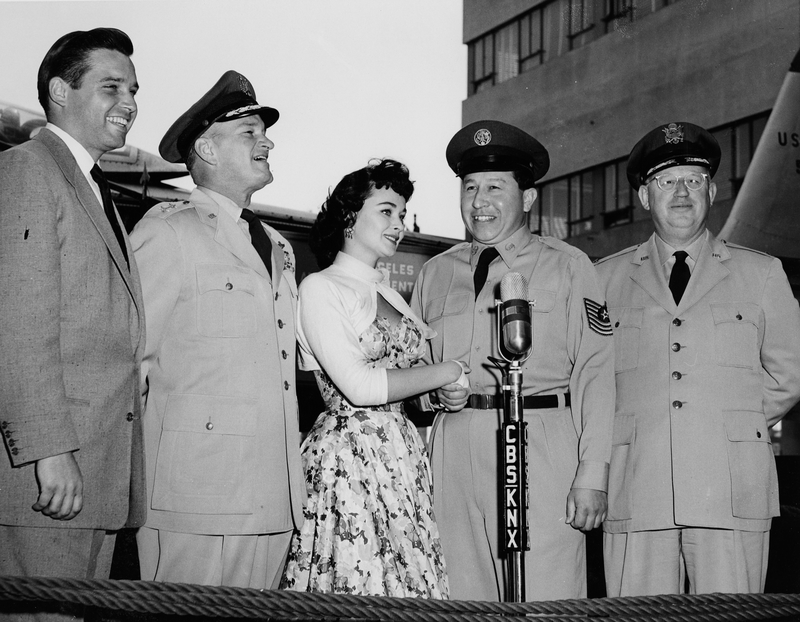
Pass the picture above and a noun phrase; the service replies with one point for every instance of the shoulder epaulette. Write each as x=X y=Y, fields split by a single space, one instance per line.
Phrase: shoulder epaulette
x=745 y=248
x=167 y=208
x=560 y=245
x=625 y=251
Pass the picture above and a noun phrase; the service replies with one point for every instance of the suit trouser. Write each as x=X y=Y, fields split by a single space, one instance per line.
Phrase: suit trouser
x=465 y=452
x=53 y=552
x=231 y=560
x=642 y=563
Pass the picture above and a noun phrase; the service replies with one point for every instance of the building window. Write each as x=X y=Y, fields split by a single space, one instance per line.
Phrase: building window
x=618 y=12
x=581 y=22
x=506 y=52
x=552 y=28
x=481 y=60
x=531 y=52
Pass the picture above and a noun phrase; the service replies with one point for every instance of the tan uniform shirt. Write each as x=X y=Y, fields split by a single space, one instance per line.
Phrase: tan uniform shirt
x=568 y=447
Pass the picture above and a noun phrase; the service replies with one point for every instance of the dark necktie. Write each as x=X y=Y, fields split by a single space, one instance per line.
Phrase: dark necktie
x=679 y=276
x=259 y=238
x=108 y=206
x=482 y=269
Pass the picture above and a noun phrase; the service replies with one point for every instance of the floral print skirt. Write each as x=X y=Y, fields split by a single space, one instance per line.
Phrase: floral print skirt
x=369 y=526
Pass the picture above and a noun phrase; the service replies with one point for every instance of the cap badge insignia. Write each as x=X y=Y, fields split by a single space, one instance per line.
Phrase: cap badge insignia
x=483 y=138
x=673 y=133
x=244 y=85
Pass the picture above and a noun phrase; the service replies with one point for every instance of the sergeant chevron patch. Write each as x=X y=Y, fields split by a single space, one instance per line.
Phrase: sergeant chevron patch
x=597 y=315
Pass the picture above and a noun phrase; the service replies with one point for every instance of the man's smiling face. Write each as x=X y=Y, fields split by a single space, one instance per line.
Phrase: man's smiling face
x=492 y=205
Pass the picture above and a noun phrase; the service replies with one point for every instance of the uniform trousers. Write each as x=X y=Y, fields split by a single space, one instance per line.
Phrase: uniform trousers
x=643 y=563
x=52 y=552
x=467 y=492
x=231 y=560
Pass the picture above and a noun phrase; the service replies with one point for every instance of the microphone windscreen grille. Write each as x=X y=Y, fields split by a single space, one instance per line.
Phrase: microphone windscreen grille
x=513 y=286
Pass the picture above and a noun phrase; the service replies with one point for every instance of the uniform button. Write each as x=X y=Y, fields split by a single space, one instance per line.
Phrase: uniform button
x=209 y=426
x=280 y=323
x=676 y=322
x=284 y=354
x=616 y=325
x=758 y=433
x=14 y=451
x=11 y=442
x=677 y=405
x=676 y=347
x=229 y=286
x=738 y=316
x=277 y=295
x=677 y=375
x=286 y=384
x=129 y=417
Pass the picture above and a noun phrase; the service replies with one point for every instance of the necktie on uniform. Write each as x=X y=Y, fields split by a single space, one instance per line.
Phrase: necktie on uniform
x=489 y=254
x=679 y=276
x=108 y=205
x=259 y=238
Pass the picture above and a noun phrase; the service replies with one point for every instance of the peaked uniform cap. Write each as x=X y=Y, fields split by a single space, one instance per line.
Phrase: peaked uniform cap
x=496 y=146
x=673 y=144
x=232 y=97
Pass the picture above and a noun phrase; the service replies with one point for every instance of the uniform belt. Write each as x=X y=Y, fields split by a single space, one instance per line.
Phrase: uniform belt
x=481 y=401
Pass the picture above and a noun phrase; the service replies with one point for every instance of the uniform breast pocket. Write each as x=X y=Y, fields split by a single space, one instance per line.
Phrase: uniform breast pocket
x=225 y=301
x=444 y=306
x=736 y=334
x=627 y=324
x=206 y=455
x=544 y=303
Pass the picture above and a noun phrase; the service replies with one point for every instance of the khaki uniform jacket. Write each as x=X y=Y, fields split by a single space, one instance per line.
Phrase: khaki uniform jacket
x=71 y=341
x=698 y=385
x=221 y=425
x=567 y=356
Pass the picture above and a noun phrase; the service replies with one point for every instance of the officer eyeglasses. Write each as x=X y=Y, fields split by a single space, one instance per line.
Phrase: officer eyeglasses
x=693 y=181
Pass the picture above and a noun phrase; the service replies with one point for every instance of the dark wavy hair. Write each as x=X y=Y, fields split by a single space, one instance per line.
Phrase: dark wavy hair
x=68 y=58
x=343 y=204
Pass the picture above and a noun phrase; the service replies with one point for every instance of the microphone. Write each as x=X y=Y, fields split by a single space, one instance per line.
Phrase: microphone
x=515 y=316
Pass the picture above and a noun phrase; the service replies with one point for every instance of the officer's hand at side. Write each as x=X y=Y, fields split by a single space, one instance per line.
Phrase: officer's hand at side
x=586 y=508
x=60 y=487
x=452 y=396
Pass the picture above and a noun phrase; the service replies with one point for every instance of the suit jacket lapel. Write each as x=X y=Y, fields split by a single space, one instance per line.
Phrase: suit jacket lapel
x=708 y=271
x=89 y=202
x=649 y=275
x=227 y=232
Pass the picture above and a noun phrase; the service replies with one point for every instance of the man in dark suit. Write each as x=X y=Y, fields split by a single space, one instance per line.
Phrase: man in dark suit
x=72 y=324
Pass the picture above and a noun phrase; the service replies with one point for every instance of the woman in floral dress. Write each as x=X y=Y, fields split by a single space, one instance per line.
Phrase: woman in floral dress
x=369 y=526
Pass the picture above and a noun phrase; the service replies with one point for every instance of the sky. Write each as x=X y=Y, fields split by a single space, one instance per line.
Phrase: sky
x=352 y=79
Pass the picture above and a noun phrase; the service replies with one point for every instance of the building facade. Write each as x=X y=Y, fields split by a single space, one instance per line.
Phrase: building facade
x=588 y=78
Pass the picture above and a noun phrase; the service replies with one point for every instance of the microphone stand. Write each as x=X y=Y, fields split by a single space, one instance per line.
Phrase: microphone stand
x=514 y=507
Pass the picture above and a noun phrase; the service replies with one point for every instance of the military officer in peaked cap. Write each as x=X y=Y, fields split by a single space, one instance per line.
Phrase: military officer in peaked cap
x=224 y=481
x=707 y=340
x=568 y=380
